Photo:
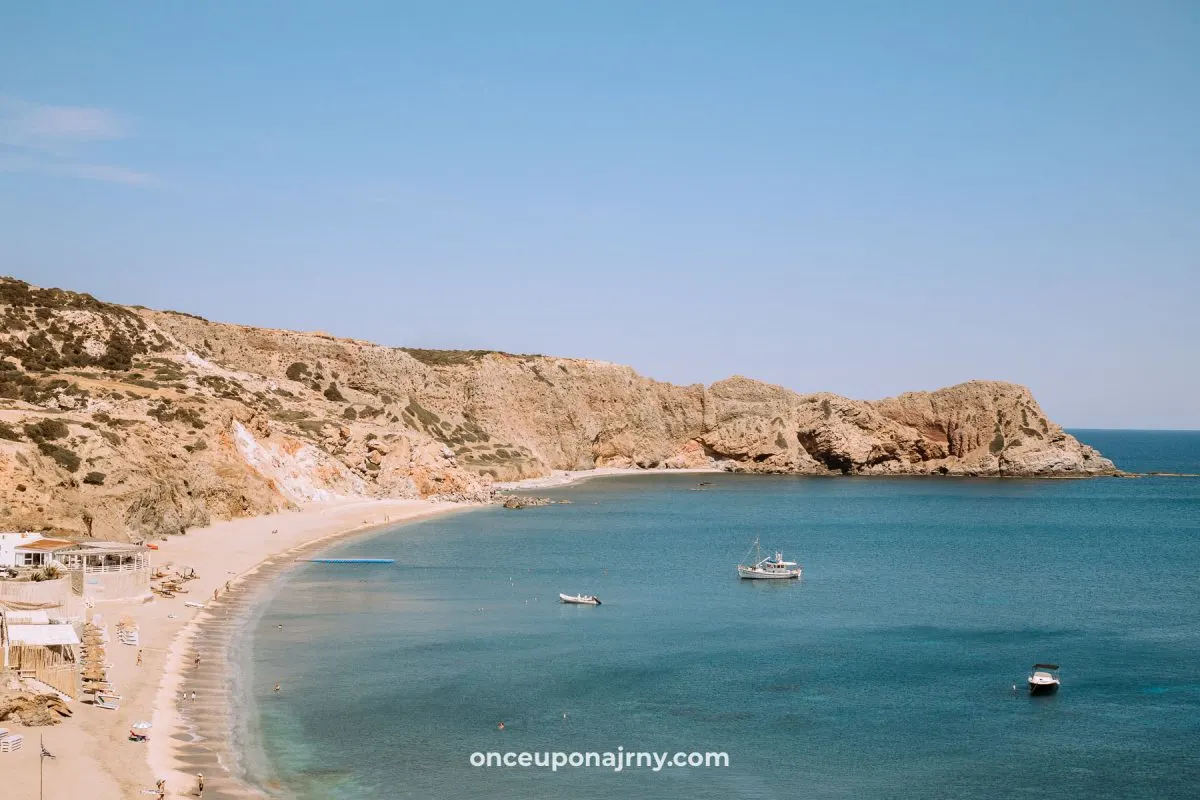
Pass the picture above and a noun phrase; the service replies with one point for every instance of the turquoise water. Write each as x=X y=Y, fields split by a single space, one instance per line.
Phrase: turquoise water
x=886 y=673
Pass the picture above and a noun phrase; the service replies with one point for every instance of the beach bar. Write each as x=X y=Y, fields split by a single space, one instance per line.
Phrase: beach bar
x=108 y=570
x=97 y=570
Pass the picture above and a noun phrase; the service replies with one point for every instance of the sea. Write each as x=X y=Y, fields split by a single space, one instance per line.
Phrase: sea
x=895 y=668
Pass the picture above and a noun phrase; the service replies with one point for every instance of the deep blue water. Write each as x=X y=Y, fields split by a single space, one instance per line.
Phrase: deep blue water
x=886 y=672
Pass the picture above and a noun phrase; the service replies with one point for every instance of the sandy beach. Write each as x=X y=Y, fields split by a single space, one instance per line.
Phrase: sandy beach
x=94 y=757
x=235 y=559
x=562 y=477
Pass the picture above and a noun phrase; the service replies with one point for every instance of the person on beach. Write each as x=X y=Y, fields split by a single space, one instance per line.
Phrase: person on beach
x=139 y=661
x=199 y=785
x=197 y=662
x=193 y=695
x=277 y=687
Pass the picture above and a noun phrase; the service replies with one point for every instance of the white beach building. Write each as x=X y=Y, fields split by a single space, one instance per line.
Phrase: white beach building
x=92 y=570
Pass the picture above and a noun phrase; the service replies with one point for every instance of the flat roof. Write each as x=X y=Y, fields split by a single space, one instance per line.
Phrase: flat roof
x=100 y=548
x=42 y=634
x=47 y=545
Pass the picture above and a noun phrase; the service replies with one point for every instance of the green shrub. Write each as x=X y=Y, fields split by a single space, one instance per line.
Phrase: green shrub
x=9 y=433
x=118 y=353
x=444 y=358
x=47 y=430
x=350 y=413
x=47 y=573
x=298 y=371
x=61 y=455
x=94 y=478
x=332 y=393
x=427 y=417
x=165 y=412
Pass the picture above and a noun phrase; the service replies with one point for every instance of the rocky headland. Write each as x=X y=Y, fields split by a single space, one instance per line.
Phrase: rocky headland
x=123 y=422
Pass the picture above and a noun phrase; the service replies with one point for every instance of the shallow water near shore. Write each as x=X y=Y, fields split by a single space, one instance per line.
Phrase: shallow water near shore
x=886 y=672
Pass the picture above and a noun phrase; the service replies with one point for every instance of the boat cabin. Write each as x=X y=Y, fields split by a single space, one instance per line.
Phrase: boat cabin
x=1043 y=679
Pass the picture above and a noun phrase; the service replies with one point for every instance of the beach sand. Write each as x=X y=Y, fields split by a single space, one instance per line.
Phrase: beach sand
x=94 y=757
x=561 y=477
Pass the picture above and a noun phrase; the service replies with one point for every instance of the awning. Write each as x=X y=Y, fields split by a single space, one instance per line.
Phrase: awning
x=35 y=617
x=42 y=634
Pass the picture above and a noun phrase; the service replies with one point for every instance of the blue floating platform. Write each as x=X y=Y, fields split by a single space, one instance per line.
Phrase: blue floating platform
x=350 y=560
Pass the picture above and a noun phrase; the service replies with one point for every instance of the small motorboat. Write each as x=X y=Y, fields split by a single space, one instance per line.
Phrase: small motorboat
x=580 y=599
x=1043 y=679
x=770 y=568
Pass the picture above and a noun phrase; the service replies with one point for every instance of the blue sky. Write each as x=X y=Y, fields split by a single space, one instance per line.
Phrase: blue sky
x=860 y=197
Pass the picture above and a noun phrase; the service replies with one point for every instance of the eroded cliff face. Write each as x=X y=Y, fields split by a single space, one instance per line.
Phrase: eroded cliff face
x=120 y=422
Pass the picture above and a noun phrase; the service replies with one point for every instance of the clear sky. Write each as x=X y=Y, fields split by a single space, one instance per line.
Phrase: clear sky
x=860 y=197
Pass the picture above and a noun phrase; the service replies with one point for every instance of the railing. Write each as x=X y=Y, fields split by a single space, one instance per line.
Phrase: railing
x=115 y=568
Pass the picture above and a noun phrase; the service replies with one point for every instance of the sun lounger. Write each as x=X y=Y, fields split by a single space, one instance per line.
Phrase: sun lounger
x=11 y=743
x=110 y=701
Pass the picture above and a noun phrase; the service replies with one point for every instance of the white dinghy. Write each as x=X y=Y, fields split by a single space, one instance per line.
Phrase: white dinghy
x=580 y=599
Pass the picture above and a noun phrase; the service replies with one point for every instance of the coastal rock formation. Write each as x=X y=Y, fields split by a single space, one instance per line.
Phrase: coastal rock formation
x=120 y=422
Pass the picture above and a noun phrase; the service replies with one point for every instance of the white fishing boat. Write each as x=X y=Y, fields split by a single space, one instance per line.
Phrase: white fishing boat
x=580 y=599
x=769 y=568
x=1043 y=679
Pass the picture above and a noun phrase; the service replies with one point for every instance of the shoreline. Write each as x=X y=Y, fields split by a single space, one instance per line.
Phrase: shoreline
x=234 y=560
x=568 y=477
x=202 y=735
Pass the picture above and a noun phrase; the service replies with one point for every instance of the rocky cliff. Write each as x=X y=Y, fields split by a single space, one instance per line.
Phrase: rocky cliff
x=121 y=422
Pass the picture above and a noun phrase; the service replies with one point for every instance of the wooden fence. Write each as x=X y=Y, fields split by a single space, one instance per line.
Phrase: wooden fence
x=47 y=666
